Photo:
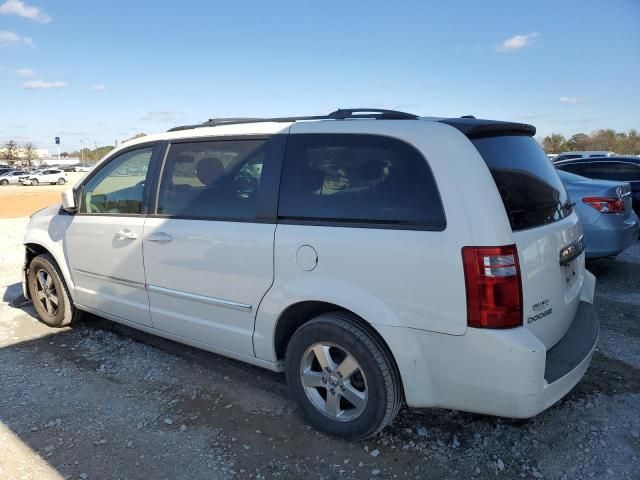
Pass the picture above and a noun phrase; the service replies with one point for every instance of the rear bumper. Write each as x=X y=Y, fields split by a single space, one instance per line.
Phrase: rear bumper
x=506 y=373
x=610 y=235
x=568 y=360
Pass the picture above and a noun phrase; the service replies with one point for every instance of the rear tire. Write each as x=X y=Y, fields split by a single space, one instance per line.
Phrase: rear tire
x=358 y=392
x=4 y=182
x=61 y=181
x=49 y=293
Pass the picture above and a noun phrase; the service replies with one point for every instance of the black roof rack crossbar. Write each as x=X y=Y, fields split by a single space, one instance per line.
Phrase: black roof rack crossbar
x=340 y=114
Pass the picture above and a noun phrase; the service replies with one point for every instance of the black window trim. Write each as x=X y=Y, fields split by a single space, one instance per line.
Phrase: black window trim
x=270 y=185
x=588 y=161
x=371 y=224
x=79 y=190
x=267 y=201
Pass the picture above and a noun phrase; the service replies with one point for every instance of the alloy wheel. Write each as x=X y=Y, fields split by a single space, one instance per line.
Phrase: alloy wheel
x=46 y=292
x=333 y=381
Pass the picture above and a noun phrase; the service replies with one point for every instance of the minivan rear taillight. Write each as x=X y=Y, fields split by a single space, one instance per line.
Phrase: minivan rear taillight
x=494 y=292
x=605 y=205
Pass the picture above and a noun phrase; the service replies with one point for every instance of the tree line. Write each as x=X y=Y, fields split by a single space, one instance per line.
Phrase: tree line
x=88 y=154
x=93 y=155
x=11 y=152
x=623 y=143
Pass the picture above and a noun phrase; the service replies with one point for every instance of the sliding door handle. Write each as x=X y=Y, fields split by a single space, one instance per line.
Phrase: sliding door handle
x=160 y=237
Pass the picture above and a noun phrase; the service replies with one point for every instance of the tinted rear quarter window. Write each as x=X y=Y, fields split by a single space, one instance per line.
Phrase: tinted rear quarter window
x=577 y=168
x=532 y=192
x=619 y=171
x=360 y=179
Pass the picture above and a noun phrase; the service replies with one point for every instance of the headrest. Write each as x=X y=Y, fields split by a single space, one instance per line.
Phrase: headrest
x=209 y=170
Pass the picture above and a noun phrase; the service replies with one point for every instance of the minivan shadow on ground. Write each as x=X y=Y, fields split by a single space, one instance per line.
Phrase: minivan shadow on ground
x=110 y=401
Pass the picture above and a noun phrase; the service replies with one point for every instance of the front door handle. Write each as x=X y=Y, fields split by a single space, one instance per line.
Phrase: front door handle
x=127 y=234
x=160 y=237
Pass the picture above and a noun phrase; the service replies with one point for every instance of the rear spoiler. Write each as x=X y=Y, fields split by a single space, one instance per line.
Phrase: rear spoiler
x=476 y=128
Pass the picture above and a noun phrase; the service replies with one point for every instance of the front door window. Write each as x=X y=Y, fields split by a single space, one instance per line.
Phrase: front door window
x=118 y=188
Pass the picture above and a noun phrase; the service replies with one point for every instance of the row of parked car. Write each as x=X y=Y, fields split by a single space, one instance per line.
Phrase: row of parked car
x=606 y=190
x=47 y=175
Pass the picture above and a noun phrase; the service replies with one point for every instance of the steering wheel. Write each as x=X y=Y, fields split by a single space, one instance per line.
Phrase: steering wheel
x=95 y=208
x=246 y=184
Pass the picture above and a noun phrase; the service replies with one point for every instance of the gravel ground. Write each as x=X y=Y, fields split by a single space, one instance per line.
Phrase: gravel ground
x=103 y=401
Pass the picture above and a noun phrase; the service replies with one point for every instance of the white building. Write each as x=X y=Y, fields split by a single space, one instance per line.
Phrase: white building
x=54 y=160
x=39 y=153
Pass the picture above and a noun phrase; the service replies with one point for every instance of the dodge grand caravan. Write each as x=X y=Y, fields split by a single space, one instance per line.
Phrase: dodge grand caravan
x=373 y=256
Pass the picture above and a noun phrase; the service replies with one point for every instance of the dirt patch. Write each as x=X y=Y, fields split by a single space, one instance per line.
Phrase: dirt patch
x=22 y=204
x=21 y=201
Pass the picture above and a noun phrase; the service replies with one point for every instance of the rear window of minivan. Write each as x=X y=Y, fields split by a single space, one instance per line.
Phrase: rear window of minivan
x=532 y=192
x=358 y=180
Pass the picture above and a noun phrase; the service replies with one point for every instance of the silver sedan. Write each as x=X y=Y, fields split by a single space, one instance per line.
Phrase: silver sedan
x=604 y=207
x=11 y=177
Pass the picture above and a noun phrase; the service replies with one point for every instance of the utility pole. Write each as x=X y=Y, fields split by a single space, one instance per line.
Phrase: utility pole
x=95 y=144
x=81 y=153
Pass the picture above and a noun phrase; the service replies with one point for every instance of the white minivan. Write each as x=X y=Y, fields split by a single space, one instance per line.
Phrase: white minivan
x=376 y=257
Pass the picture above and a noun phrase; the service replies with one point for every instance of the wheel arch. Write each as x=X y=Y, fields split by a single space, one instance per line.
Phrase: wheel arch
x=298 y=314
x=32 y=250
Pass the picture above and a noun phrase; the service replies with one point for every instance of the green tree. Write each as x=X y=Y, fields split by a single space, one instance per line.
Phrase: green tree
x=102 y=151
x=624 y=143
x=579 y=141
x=29 y=152
x=92 y=155
x=630 y=144
x=554 y=143
x=604 y=140
x=10 y=152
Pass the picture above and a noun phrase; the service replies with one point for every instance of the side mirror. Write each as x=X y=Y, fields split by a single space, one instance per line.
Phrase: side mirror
x=69 y=201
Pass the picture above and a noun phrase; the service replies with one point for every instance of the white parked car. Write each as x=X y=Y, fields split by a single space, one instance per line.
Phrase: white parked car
x=12 y=177
x=51 y=175
x=373 y=256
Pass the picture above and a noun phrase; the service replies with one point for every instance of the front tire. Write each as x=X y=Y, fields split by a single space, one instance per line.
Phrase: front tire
x=61 y=181
x=49 y=293
x=34 y=182
x=342 y=377
x=4 y=182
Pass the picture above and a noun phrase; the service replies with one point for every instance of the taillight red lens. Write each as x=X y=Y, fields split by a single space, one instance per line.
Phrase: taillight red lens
x=605 y=205
x=494 y=292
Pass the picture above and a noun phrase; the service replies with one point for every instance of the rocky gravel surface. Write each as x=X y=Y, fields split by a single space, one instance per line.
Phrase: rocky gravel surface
x=101 y=401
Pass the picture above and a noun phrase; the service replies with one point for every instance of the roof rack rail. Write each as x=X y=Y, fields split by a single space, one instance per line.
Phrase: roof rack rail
x=340 y=114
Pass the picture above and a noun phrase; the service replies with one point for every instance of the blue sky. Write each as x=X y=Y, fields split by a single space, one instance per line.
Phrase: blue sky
x=100 y=71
